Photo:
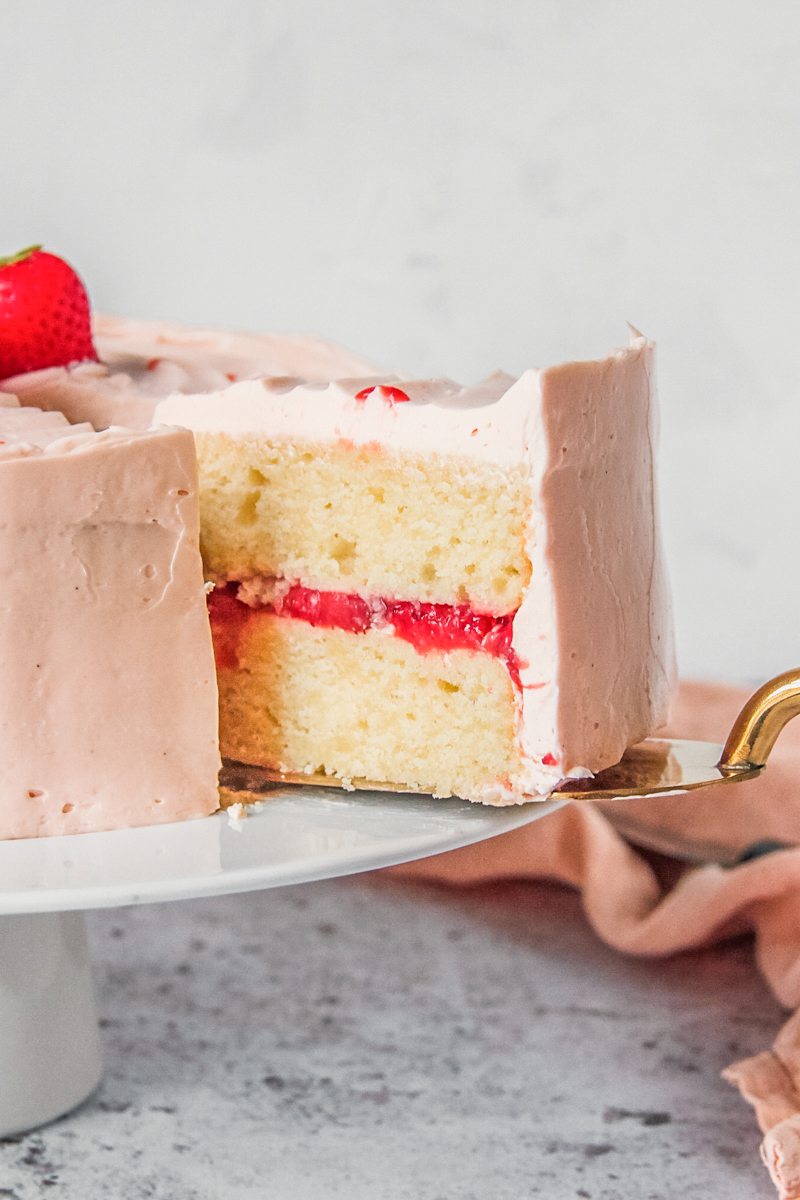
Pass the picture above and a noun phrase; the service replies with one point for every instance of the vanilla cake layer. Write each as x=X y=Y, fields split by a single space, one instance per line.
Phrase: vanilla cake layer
x=362 y=519
x=108 y=704
x=304 y=699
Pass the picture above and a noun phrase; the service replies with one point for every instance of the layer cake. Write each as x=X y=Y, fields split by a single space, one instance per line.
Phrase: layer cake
x=455 y=590
x=448 y=589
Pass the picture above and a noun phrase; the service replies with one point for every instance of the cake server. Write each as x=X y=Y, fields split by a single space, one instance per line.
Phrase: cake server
x=655 y=767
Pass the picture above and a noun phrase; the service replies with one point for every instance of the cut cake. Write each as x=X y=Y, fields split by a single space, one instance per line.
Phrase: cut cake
x=446 y=589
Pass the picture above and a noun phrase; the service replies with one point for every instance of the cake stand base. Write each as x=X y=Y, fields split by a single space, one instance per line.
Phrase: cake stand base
x=50 y=1054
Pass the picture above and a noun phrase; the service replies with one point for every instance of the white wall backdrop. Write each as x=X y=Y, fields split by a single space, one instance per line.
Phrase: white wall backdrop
x=451 y=186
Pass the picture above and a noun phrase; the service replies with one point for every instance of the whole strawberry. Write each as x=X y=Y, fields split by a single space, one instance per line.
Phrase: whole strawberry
x=44 y=314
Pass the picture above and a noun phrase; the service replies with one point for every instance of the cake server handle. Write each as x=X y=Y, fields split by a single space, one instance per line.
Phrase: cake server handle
x=758 y=725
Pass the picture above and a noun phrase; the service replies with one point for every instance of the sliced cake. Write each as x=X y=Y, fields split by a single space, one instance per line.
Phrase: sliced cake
x=455 y=590
x=425 y=586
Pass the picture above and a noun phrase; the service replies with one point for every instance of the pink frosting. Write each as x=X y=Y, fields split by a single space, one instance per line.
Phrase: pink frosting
x=143 y=361
x=108 y=710
x=595 y=625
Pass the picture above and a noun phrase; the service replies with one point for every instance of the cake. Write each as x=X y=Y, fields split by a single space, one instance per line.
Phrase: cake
x=108 y=710
x=452 y=590
x=456 y=590
x=140 y=362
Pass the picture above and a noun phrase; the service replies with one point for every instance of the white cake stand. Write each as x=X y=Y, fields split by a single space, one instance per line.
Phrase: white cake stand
x=50 y=1057
x=50 y=1054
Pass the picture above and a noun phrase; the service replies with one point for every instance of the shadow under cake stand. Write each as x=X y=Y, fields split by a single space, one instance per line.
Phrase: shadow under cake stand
x=50 y=1052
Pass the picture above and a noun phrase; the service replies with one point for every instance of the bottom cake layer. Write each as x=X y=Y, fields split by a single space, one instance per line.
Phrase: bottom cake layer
x=306 y=699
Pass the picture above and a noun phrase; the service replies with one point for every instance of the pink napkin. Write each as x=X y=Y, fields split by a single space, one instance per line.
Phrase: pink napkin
x=632 y=911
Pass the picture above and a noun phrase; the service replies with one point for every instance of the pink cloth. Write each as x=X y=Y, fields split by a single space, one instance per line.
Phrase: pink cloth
x=632 y=911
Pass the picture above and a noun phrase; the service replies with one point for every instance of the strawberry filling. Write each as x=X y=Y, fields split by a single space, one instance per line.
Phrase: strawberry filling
x=427 y=627
x=392 y=395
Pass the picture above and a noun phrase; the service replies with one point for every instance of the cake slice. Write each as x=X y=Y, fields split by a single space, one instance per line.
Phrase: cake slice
x=446 y=589
x=108 y=710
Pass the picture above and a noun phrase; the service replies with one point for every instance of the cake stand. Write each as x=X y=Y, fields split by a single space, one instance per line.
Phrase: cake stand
x=50 y=1055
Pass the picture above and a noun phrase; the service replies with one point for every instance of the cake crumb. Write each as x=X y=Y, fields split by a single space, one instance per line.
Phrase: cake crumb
x=236 y=815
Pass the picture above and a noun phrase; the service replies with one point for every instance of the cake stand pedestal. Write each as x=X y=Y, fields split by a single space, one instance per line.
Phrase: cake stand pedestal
x=50 y=1055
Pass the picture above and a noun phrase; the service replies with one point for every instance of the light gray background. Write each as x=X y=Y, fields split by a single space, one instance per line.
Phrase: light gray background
x=451 y=186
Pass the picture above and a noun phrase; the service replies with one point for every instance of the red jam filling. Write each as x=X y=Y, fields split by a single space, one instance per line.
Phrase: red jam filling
x=392 y=395
x=228 y=615
x=426 y=626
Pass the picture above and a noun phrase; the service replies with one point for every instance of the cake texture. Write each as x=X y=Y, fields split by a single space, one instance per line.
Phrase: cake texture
x=484 y=562
x=440 y=588
x=108 y=711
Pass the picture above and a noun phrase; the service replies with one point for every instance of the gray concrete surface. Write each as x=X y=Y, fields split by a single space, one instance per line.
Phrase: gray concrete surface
x=373 y=1039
